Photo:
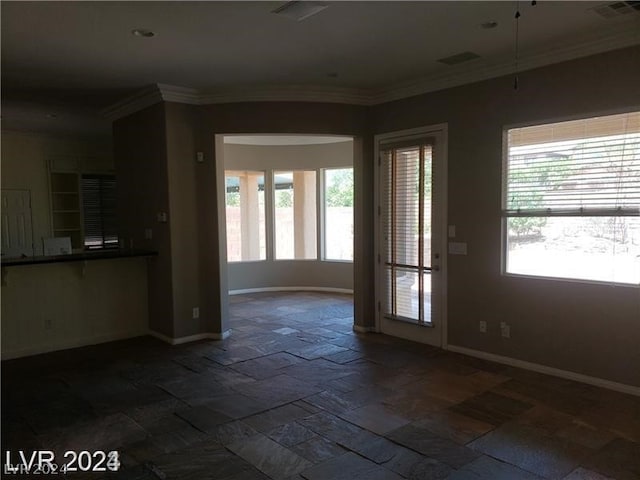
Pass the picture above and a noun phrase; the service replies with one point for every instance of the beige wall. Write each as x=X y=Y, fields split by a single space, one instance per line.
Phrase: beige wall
x=259 y=157
x=303 y=273
x=51 y=307
x=586 y=328
x=24 y=167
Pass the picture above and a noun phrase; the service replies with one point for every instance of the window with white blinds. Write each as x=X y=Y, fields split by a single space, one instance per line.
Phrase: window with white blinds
x=571 y=199
x=407 y=232
x=99 y=211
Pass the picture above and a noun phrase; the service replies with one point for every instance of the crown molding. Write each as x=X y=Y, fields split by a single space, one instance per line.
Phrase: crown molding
x=291 y=93
x=133 y=103
x=286 y=93
x=457 y=76
x=465 y=74
x=172 y=93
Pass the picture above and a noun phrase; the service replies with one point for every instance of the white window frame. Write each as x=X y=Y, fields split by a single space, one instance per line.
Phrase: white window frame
x=323 y=208
x=230 y=173
x=505 y=216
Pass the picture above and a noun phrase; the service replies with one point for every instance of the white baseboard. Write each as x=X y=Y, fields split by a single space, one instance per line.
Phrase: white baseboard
x=556 y=372
x=361 y=329
x=190 y=338
x=291 y=289
x=76 y=343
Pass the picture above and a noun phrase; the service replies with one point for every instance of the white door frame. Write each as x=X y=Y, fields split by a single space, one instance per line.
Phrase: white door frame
x=440 y=163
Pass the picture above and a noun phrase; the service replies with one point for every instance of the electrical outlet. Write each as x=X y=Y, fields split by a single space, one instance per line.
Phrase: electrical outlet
x=483 y=326
x=48 y=324
x=505 y=330
x=196 y=312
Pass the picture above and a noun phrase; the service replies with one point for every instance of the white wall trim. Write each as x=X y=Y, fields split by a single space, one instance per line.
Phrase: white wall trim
x=456 y=76
x=287 y=93
x=468 y=73
x=190 y=338
x=134 y=103
x=292 y=289
x=361 y=329
x=76 y=343
x=556 y=372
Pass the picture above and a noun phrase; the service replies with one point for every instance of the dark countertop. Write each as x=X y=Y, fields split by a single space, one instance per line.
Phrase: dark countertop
x=79 y=257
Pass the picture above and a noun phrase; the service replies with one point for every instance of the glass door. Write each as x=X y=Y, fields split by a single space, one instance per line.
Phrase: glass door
x=410 y=256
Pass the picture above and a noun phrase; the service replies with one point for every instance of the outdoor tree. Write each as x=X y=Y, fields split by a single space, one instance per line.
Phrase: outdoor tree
x=548 y=172
x=340 y=192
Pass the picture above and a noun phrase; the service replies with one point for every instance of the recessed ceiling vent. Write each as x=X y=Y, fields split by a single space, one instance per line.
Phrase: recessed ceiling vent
x=615 y=9
x=299 y=10
x=459 y=58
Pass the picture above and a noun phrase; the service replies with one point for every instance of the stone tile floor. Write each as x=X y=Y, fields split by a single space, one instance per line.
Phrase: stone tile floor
x=295 y=394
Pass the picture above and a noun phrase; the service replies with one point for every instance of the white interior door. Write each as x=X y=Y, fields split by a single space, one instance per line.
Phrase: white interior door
x=411 y=266
x=17 y=232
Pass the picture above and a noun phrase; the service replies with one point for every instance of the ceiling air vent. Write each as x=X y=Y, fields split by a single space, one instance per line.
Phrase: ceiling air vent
x=459 y=58
x=615 y=9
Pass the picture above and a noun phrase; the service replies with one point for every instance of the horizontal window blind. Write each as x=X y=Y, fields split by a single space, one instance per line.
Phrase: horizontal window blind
x=406 y=224
x=584 y=167
x=99 y=210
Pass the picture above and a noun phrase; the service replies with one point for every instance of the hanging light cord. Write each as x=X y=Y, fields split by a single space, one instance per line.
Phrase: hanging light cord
x=517 y=56
x=517 y=17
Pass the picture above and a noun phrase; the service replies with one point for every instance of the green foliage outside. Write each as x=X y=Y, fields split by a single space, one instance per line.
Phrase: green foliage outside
x=284 y=198
x=549 y=173
x=233 y=199
x=340 y=191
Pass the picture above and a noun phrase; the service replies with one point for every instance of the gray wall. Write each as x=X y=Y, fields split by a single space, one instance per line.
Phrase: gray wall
x=282 y=118
x=586 y=328
x=140 y=156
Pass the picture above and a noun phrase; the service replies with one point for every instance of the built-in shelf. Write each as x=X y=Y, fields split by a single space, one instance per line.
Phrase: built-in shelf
x=66 y=218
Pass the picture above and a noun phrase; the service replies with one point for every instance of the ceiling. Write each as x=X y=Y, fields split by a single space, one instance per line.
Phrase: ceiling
x=82 y=55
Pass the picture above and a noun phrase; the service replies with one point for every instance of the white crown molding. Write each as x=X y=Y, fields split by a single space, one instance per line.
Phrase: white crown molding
x=171 y=93
x=456 y=76
x=133 y=103
x=288 y=93
x=468 y=74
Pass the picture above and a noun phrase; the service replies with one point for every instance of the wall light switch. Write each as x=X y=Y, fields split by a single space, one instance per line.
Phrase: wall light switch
x=199 y=157
x=452 y=231
x=457 y=248
x=162 y=217
x=148 y=234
